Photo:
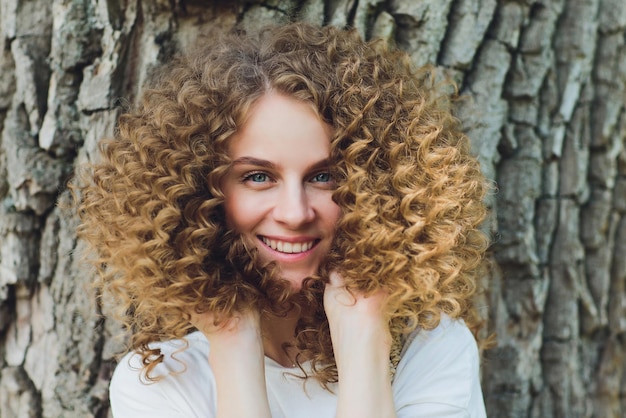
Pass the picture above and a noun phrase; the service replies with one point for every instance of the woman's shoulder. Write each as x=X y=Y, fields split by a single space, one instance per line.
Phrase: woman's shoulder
x=439 y=368
x=176 y=356
x=174 y=384
x=448 y=342
x=447 y=329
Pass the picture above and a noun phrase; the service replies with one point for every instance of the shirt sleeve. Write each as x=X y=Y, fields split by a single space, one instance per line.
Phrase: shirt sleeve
x=185 y=387
x=438 y=374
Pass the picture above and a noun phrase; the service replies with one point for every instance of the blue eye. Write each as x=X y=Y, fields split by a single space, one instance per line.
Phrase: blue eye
x=257 y=177
x=321 y=178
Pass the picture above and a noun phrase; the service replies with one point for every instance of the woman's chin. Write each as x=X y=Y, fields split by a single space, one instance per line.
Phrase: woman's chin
x=296 y=281
x=296 y=285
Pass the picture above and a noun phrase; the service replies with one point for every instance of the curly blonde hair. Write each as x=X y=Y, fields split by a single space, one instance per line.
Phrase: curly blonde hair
x=410 y=192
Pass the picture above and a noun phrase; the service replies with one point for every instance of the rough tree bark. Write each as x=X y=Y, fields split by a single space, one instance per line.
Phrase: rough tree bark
x=546 y=116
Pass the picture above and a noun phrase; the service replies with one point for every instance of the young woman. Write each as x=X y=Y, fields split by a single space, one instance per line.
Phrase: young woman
x=288 y=223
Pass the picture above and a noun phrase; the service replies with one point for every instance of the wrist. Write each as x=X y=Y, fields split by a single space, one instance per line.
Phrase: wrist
x=373 y=336
x=365 y=380
x=356 y=350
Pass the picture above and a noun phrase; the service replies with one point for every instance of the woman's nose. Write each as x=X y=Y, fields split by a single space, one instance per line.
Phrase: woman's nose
x=293 y=207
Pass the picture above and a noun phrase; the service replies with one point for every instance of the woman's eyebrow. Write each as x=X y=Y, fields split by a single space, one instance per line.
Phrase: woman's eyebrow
x=325 y=163
x=254 y=161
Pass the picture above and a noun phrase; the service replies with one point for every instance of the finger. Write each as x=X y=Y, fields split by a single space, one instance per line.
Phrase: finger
x=336 y=291
x=335 y=279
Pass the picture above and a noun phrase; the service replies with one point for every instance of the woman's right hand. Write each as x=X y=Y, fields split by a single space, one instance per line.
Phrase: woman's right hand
x=243 y=328
x=237 y=360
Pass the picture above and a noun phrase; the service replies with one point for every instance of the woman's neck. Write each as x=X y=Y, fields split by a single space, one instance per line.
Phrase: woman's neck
x=279 y=340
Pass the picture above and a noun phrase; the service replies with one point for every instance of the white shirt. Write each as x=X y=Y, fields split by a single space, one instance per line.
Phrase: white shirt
x=438 y=376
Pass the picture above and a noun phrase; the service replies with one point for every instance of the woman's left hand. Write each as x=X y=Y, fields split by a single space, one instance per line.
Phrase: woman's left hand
x=354 y=316
x=361 y=339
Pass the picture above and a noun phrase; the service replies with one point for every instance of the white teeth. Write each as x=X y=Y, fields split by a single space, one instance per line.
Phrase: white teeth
x=288 y=247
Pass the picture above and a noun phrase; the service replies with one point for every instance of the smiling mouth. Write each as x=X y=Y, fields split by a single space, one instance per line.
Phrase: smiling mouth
x=288 y=247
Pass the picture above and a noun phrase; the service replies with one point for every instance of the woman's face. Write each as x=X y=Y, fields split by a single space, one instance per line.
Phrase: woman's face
x=278 y=190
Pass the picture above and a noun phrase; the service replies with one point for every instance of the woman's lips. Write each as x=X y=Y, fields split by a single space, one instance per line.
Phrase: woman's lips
x=289 y=247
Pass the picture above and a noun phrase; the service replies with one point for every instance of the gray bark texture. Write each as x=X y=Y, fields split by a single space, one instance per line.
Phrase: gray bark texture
x=547 y=86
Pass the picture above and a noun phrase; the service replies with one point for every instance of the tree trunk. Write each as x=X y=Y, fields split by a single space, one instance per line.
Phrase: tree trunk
x=547 y=119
